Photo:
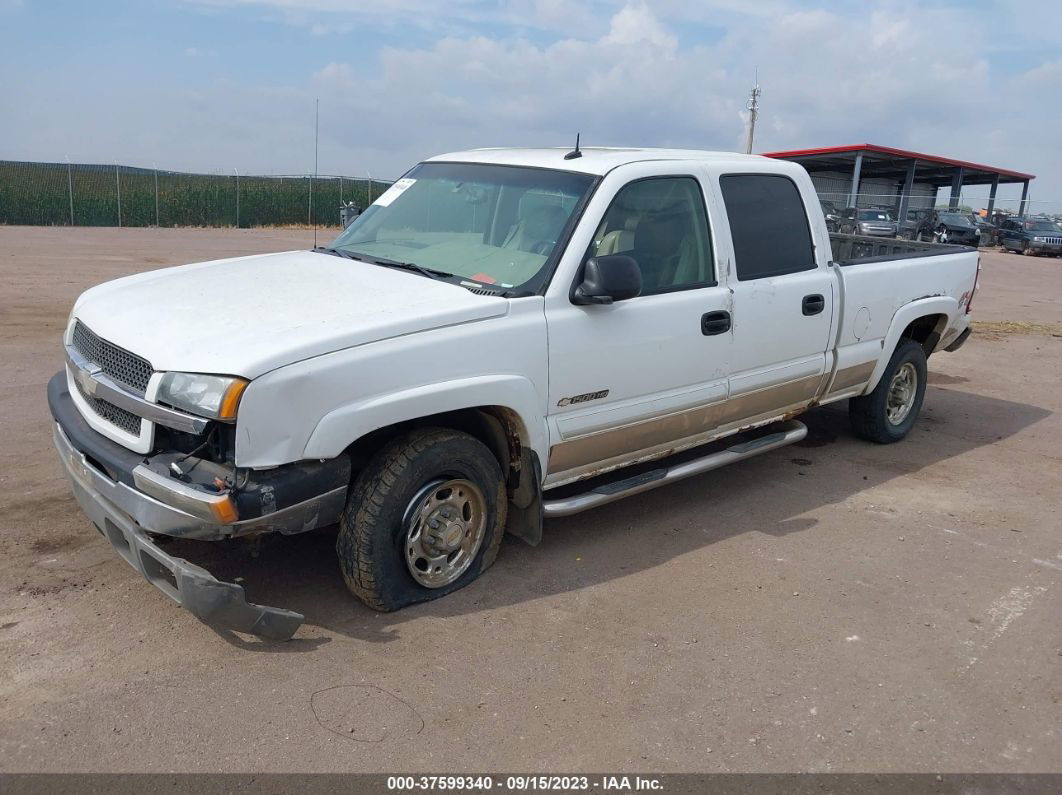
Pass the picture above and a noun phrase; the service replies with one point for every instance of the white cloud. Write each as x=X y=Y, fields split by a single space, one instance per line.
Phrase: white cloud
x=534 y=73
x=636 y=24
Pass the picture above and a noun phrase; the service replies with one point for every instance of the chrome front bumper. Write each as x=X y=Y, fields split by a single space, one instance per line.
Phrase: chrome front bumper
x=121 y=513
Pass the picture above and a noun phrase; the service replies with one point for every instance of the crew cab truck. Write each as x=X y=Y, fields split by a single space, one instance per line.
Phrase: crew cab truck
x=503 y=336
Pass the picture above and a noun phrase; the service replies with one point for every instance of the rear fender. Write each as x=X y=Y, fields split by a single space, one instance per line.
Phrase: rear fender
x=905 y=315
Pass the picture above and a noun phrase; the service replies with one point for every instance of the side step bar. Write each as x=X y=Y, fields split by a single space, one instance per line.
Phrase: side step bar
x=792 y=431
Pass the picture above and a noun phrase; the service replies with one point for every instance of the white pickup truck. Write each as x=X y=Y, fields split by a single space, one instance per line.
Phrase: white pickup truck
x=504 y=335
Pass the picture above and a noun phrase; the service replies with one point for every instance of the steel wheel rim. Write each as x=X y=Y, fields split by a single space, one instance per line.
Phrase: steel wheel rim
x=902 y=391
x=445 y=523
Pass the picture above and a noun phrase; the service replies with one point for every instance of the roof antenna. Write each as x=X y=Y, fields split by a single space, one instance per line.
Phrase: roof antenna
x=575 y=152
x=316 y=138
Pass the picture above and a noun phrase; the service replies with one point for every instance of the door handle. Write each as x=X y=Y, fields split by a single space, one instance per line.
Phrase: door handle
x=813 y=304
x=715 y=323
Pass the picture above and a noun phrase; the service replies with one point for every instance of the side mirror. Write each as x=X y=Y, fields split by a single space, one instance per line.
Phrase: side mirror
x=612 y=277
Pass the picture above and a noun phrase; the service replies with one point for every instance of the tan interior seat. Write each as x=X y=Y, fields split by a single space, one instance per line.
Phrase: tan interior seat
x=619 y=239
x=665 y=252
x=538 y=231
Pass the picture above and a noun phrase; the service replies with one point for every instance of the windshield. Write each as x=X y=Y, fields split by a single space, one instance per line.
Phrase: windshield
x=1041 y=226
x=874 y=215
x=955 y=219
x=491 y=224
x=828 y=208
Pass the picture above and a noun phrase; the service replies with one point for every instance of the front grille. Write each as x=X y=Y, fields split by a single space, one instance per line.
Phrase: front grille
x=119 y=417
x=1054 y=241
x=124 y=367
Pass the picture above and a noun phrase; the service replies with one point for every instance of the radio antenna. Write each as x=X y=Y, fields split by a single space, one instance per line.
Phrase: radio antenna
x=575 y=152
x=316 y=139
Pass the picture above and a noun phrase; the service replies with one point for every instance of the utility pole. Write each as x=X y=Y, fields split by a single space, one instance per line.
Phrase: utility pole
x=753 y=106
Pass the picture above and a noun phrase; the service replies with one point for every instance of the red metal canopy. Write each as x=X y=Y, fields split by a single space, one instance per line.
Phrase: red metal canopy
x=888 y=150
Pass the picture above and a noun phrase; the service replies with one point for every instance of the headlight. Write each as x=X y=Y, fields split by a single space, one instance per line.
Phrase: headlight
x=1039 y=239
x=213 y=396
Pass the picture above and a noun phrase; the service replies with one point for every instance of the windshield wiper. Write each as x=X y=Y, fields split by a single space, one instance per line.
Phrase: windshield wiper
x=387 y=263
x=408 y=266
x=335 y=252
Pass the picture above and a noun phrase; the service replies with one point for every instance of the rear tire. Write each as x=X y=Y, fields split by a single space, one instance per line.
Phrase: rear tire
x=425 y=517
x=888 y=413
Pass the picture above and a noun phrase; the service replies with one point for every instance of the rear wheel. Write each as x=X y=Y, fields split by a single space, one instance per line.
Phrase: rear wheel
x=425 y=517
x=888 y=413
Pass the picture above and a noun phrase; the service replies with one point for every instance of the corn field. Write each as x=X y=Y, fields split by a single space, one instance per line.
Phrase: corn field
x=64 y=194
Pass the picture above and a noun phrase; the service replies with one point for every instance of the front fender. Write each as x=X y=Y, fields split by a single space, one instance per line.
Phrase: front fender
x=905 y=315
x=346 y=424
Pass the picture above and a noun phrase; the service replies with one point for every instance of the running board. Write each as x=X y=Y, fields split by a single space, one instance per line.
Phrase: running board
x=792 y=431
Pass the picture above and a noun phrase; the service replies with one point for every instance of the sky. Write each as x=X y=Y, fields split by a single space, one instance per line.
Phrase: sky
x=217 y=85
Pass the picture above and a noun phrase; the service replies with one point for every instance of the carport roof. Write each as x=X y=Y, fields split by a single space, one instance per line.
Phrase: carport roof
x=887 y=162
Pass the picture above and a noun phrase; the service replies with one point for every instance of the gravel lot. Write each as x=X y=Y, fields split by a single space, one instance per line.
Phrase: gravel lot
x=833 y=606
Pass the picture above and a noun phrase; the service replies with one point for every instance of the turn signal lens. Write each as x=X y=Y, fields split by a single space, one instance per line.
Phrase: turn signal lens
x=231 y=399
x=224 y=510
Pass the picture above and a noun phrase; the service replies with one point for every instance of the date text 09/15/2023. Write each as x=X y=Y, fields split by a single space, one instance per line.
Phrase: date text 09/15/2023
x=523 y=783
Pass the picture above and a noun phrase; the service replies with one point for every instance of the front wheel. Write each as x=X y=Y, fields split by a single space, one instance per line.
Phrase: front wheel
x=888 y=413
x=425 y=517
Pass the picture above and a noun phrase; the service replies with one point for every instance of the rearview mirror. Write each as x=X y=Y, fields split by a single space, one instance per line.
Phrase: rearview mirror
x=612 y=277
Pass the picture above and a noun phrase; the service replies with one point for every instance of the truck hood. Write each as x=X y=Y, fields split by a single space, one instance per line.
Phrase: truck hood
x=248 y=315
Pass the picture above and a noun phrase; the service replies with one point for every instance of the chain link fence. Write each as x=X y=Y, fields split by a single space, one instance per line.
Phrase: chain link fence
x=971 y=203
x=78 y=194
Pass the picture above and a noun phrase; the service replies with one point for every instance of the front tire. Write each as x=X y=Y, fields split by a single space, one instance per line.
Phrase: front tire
x=888 y=413
x=425 y=517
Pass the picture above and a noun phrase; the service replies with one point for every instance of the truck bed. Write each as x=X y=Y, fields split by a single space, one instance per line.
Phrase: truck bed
x=856 y=249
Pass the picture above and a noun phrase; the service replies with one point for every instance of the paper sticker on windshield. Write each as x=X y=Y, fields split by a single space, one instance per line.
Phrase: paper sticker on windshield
x=394 y=191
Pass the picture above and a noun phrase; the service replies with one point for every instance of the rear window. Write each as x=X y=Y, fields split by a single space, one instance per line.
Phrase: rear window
x=768 y=225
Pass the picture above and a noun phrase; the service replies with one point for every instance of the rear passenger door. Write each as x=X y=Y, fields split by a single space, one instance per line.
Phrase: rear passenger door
x=783 y=301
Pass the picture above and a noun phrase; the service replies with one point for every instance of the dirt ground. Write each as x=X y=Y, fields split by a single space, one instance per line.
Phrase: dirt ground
x=833 y=606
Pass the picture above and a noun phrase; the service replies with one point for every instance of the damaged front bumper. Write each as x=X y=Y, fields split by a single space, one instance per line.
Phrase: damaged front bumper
x=105 y=482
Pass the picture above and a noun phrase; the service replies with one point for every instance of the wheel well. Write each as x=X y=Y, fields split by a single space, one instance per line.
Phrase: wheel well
x=498 y=427
x=926 y=331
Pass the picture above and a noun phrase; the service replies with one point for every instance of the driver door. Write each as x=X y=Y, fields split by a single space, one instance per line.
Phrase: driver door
x=639 y=376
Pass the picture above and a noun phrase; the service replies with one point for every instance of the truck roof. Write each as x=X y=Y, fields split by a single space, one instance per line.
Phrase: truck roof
x=597 y=160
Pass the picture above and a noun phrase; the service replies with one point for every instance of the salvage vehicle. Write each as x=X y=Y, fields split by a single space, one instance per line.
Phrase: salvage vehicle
x=910 y=226
x=874 y=223
x=949 y=227
x=831 y=214
x=503 y=336
x=987 y=232
x=1031 y=236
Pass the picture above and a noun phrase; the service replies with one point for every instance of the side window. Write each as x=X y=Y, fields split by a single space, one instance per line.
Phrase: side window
x=661 y=223
x=768 y=225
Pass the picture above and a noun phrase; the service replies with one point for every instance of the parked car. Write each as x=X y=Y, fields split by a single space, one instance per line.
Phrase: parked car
x=831 y=214
x=909 y=228
x=447 y=370
x=987 y=232
x=944 y=226
x=871 y=223
x=1031 y=236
